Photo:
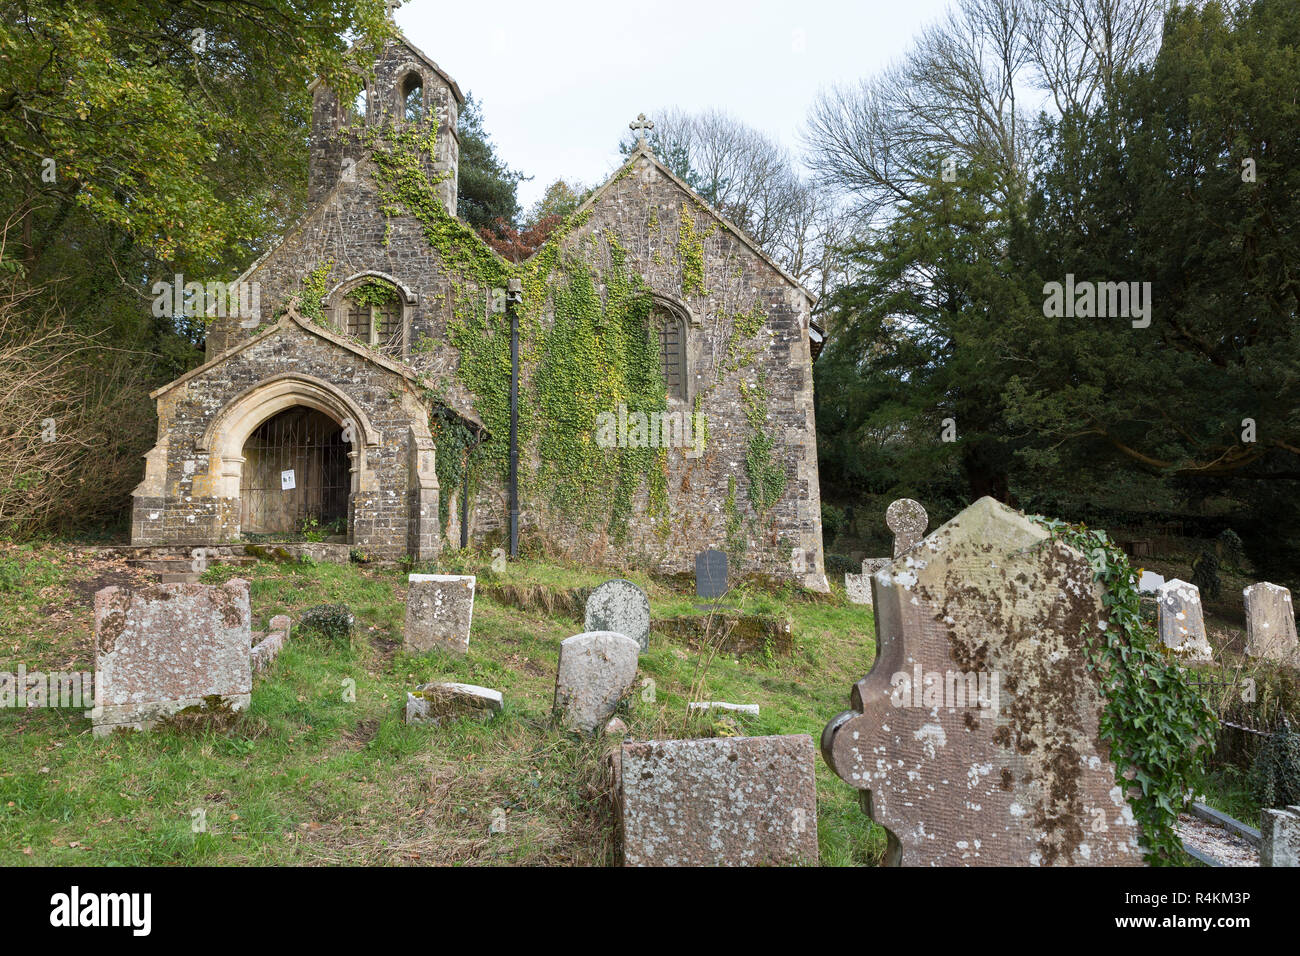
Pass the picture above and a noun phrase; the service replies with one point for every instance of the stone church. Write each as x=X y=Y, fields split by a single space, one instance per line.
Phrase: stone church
x=665 y=390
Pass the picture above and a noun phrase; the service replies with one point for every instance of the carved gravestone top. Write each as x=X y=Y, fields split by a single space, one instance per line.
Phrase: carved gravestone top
x=620 y=606
x=975 y=735
x=711 y=574
x=908 y=520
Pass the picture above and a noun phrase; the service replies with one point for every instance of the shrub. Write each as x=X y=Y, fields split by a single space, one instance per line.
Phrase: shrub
x=1275 y=775
x=334 y=622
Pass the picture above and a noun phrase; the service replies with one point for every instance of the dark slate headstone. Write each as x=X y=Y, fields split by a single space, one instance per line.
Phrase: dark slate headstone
x=710 y=574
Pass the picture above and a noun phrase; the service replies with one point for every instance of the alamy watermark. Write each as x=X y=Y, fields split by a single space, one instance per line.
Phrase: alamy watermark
x=624 y=429
x=1102 y=300
x=954 y=690
x=41 y=689
x=241 y=300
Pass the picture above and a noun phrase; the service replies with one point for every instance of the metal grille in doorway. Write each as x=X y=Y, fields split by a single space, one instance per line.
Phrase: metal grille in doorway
x=295 y=469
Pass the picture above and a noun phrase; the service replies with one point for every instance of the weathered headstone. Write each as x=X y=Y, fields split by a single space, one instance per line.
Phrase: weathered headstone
x=720 y=801
x=1279 y=843
x=166 y=648
x=1181 y=623
x=1270 y=623
x=858 y=588
x=597 y=669
x=975 y=735
x=433 y=703
x=711 y=574
x=622 y=607
x=1150 y=583
x=908 y=520
x=439 y=610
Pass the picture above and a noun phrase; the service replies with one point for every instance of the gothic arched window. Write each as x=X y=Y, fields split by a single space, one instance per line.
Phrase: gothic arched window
x=413 y=98
x=371 y=311
x=672 y=351
x=360 y=106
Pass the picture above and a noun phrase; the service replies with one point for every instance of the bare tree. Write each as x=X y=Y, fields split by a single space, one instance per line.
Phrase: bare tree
x=750 y=178
x=955 y=96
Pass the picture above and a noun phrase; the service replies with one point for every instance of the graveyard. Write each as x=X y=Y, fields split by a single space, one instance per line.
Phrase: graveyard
x=889 y=465
x=304 y=777
x=512 y=713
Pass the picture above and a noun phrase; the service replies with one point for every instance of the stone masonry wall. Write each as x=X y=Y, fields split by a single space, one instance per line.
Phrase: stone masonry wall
x=178 y=504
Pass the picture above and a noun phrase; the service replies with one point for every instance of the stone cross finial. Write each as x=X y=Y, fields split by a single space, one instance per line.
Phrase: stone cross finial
x=392 y=6
x=641 y=126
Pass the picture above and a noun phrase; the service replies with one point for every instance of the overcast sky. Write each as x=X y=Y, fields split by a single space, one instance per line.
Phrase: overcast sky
x=560 y=81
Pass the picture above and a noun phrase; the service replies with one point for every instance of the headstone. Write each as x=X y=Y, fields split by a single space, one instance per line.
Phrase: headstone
x=1181 y=623
x=1279 y=843
x=597 y=669
x=908 y=520
x=170 y=647
x=622 y=607
x=1150 y=583
x=1270 y=623
x=975 y=735
x=720 y=801
x=858 y=588
x=710 y=574
x=433 y=703
x=694 y=705
x=439 y=609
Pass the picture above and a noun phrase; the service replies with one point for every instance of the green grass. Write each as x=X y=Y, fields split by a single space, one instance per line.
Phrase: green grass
x=309 y=776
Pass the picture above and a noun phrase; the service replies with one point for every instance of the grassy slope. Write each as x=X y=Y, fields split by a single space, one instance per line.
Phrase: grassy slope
x=309 y=777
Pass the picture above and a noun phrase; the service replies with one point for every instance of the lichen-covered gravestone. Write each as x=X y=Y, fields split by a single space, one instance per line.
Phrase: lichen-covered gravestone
x=908 y=520
x=975 y=735
x=710 y=574
x=622 y=607
x=720 y=801
x=439 y=610
x=170 y=647
x=1270 y=623
x=858 y=586
x=1279 y=837
x=597 y=669
x=1181 y=623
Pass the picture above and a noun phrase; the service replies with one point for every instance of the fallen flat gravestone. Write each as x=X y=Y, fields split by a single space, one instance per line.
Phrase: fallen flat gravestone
x=1181 y=623
x=439 y=609
x=596 y=670
x=433 y=703
x=720 y=801
x=170 y=647
x=622 y=607
x=975 y=735
x=711 y=574
x=1270 y=622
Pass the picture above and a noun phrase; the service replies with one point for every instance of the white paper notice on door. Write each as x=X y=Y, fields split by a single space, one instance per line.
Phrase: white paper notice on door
x=286 y=480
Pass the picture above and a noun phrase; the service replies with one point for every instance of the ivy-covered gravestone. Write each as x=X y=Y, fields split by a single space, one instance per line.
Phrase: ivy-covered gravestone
x=975 y=737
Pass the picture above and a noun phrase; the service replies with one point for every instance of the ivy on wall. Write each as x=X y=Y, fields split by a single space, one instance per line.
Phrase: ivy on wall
x=767 y=477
